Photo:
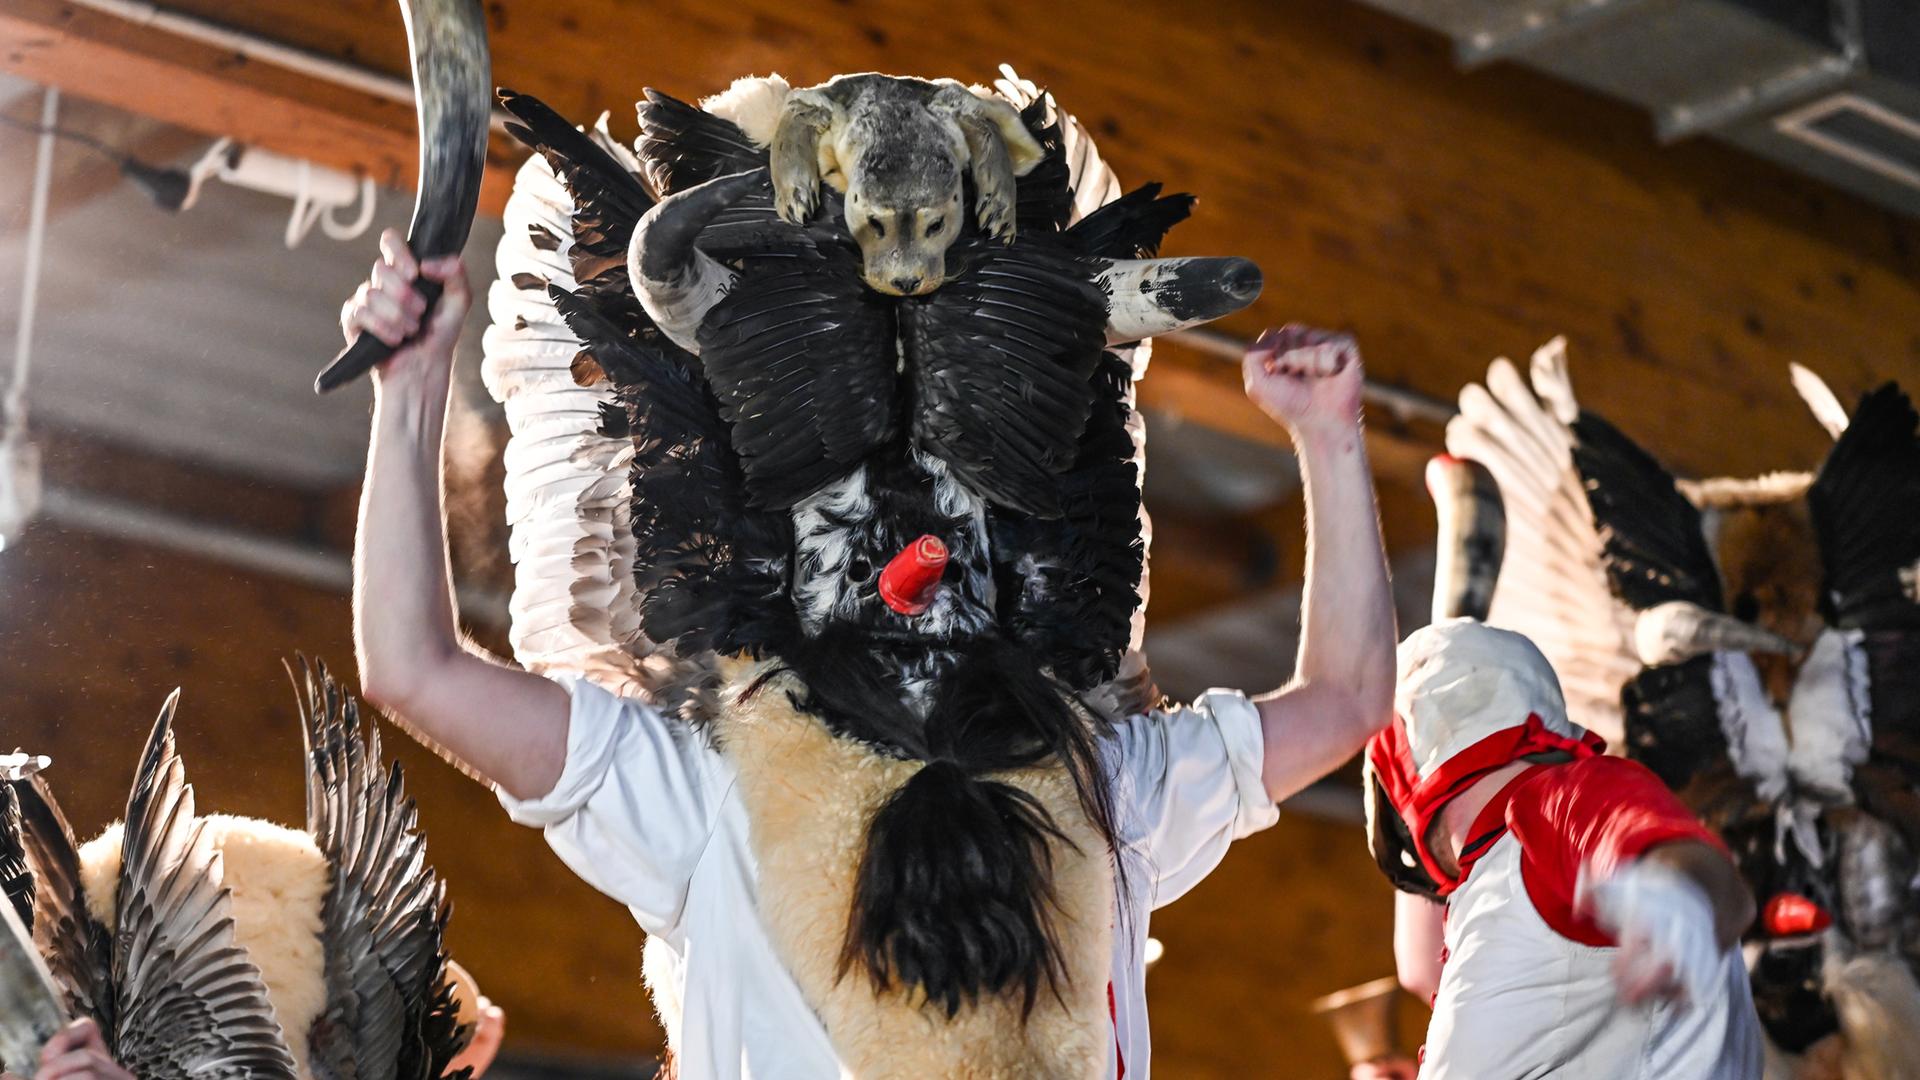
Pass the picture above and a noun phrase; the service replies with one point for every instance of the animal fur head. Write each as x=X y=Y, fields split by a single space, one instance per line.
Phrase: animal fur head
x=897 y=149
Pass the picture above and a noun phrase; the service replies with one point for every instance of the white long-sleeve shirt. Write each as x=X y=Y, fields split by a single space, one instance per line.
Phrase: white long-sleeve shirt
x=647 y=812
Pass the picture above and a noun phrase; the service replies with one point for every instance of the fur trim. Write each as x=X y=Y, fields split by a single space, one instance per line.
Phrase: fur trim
x=278 y=880
x=100 y=873
x=1733 y=492
x=753 y=104
x=809 y=799
x=1879 y=1006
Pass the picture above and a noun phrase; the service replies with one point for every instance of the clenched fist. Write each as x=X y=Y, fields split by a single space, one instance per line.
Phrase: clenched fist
x=1309 y=380
x=387 y=307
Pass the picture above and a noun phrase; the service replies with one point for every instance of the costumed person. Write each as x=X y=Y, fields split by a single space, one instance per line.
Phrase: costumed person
x=1590 y=920
x=180 y=946
x=1755 y=641
x=825 y=494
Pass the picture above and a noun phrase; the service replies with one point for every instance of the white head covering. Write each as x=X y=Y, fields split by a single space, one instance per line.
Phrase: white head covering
x=1461 y=680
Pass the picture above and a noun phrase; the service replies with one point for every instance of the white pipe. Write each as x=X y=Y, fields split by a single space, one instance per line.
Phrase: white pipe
x=303 y=563
x=13 y=410
x=254 y=47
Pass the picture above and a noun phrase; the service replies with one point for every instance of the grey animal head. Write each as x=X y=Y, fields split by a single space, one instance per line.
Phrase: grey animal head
x=897 y=147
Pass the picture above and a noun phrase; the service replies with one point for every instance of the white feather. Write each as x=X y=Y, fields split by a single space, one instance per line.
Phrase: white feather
x=1830 y=715
x=1813 y=390
x=1756 y=738
x=1552 y=586
x=573 y=608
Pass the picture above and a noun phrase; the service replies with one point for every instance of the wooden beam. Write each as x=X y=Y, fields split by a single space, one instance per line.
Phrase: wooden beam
x=218 y=92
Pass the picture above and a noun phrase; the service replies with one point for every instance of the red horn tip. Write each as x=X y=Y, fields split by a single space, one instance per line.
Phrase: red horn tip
x=911 y=578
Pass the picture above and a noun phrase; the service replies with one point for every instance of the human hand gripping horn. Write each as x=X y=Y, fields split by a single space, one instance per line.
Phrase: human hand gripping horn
x=452 y=85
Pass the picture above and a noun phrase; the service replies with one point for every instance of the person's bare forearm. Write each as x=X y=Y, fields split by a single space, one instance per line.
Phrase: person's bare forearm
x=1342 y=686
x=403 y=612
x=1418 y=938
x=1347 y=624
x=508 y=726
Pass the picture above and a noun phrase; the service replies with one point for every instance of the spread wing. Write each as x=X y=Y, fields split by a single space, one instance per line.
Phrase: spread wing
x=1553 y=582
x=804 y=366
x=684 y=146
x=187 y=1001
x=76 y=947
x=1864 y=503
x=16 y=877
x=385 y=911
x=1000 y=362
x=574 y=606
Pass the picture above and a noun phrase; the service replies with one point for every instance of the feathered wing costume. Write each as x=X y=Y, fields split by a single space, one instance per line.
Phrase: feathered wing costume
x=1757 y=644
x=217 y=947
x=887 y=551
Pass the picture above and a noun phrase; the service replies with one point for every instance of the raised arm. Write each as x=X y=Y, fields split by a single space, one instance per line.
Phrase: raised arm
x=507 y=725
x=1342 y=687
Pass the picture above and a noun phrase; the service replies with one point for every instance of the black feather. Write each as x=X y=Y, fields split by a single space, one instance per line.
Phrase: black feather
x=1653 y=545
x=801 y=359
x=1043 y=199
x=1068 y=586
x=76 y=947
x=683 y=146
x=1000 y=361
x=16 y=878
x=1131 y=226
x=1866 y=513
x=608 y=200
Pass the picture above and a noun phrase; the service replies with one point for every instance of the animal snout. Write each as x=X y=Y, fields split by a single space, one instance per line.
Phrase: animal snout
x=906 y=286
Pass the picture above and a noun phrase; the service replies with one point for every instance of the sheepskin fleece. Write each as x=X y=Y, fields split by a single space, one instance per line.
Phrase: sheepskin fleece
x=753 y=103
x=1878 y=1002
x=809 y=797
x=278 y=880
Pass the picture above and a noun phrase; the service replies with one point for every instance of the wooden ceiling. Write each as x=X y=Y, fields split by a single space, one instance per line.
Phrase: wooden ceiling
x=1444 y=218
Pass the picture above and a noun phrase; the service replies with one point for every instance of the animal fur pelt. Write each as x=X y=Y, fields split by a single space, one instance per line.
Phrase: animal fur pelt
x=810 y=798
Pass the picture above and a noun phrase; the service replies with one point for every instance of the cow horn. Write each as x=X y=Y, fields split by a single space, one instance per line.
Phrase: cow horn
x=1681 y=630
x=1157 y=296
x=676 y=282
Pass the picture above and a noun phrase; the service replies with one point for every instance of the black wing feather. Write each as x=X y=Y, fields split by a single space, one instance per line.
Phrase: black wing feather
x=711 y=571
x=1071 y=596
x=1655 y=550
x=1866 y=513
x=187 y=1000
x=16 y=877
x=1000 y=361
x=384 y=916
x=608 y=200
x=1043 y=199
x=684 y=146
x=76 y=947
x=802 y=361
x=1131 y=226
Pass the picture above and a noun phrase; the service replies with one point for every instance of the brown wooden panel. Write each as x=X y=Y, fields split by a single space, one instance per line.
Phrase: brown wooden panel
x=218 y=92
x=1445 y=218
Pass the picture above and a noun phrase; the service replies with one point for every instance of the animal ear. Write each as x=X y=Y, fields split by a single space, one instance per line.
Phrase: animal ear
x=793 y=160
x=999 y=149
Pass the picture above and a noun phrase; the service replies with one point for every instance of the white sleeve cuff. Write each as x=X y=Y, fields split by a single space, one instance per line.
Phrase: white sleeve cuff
x=1238 y=721
x=593 y=728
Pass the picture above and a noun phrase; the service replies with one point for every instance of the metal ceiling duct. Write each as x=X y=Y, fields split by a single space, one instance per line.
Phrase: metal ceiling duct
x=1828 y=87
